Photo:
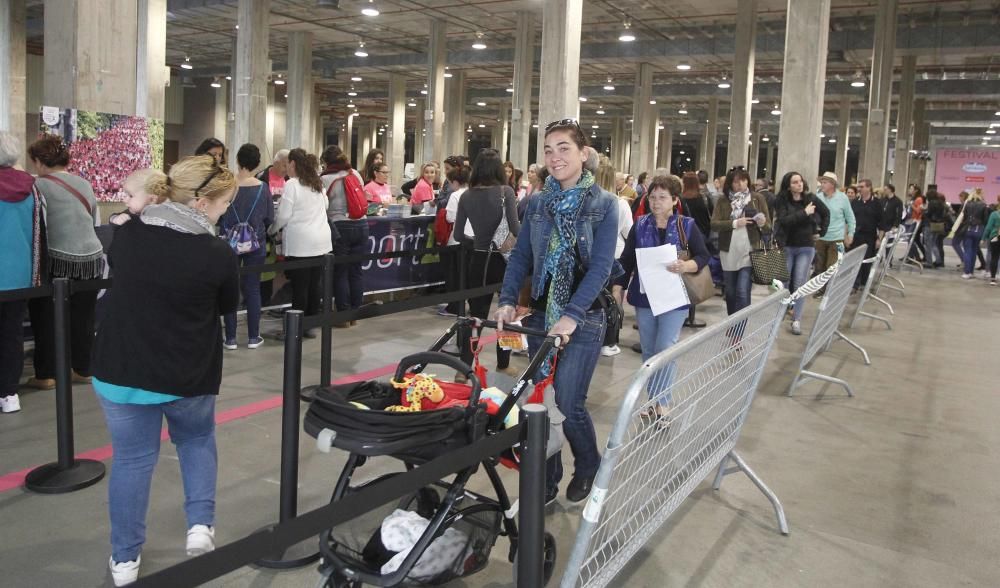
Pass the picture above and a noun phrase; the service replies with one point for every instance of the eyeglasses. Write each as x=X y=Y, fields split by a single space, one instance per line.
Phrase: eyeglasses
x=215 y=172
x=566 y=122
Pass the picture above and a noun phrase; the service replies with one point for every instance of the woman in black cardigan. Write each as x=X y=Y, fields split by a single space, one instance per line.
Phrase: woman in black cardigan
x=158 y=353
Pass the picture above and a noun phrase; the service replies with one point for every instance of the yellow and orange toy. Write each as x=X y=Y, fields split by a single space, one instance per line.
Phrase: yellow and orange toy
x=418 y=387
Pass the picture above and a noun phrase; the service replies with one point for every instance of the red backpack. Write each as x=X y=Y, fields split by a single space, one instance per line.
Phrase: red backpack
x=354 y=194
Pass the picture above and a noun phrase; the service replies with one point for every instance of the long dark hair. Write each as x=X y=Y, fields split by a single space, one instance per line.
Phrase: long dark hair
x=368 y=172
x=785 y=191
x=209 y=143
x=306 y=166
x=488 y=170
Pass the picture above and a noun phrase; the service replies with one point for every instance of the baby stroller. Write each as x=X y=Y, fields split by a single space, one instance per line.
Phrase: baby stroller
x=443 y=531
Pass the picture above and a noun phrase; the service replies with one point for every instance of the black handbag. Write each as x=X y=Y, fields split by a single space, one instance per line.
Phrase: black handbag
x=769 y=263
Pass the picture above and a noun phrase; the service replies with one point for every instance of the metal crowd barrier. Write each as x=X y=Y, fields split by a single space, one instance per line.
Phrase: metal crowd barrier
x=911 y=244
x=880 y=265
x=681 y=419
x=898 y=236
x=826 y=326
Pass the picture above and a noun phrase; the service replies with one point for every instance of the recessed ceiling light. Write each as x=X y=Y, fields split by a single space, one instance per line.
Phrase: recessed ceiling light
x=360 y=52
x=187 y=65
x=997 y=113
x=765 y=138
x=286 y=95
x=681 y=152
x=279 y=82
x=583 y=98
x=215 y=84
x=351 y=105
x=229 y=78
x=424 y=92
x=652 y=101
x=595 y=126
x=822 y=135
x=534 y=126
x=724 y=84
x=480 y=104
x=858 y=84
x=609 y=86
x=754 y=101
x=776 y=111
x=412 y=104
x=482 y=126
x=447 y=74
x=831 y=140
x=510 y=90
x=682 y=111
x=661 y=127
x=478 y=43
x=627 y=35
x=370 y=10
x=355 y=78
x=684 y=133
x=991 y=131
x=684 y=66
x=600 y=112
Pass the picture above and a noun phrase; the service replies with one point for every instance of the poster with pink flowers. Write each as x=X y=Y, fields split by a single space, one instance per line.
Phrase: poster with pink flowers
x=105 y=148
x=964 y=170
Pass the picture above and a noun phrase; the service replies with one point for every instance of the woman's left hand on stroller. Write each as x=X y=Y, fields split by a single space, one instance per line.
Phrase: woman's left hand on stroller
x=563 y=328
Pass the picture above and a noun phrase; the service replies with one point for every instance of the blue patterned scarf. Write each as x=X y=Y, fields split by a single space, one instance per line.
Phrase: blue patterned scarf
x=564 y=206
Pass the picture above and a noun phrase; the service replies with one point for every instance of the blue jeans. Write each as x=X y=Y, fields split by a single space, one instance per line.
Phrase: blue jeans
x=738 y=284
x=799 y=261
x=970 y=247
x=250 y=287
x=348 y=289
x=135 y=438
x=576 y=366
x=657 y=333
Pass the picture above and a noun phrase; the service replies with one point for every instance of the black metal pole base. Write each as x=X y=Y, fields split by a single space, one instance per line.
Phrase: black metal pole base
x=52 y=479
x=307 y=393
x=295 y=556
x=694 y=324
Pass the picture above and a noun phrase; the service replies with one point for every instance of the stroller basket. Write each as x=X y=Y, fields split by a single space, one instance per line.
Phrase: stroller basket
x=356 y=413
x=372 y=543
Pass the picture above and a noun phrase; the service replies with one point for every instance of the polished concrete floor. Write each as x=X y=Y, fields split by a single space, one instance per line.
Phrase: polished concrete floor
x=899 y=486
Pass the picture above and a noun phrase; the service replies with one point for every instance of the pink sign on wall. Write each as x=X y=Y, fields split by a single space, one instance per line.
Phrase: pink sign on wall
x=959 y=170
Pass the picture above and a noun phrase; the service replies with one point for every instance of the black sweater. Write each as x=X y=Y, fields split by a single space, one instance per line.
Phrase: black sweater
x=162 y=330
x=793 y=227
x=481 y=207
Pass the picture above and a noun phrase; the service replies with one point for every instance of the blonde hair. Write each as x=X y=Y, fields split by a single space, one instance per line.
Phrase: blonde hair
x=151 y=181
x=605 y=176
x=976 y=194
x=198 y=176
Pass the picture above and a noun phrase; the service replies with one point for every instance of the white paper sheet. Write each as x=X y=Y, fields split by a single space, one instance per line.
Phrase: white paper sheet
x=664 y=289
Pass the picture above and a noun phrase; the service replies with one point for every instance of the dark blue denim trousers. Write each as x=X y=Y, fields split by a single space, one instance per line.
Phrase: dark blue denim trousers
x=574 y=371
x=250 y=287
x=738 y=284
x=348 y=287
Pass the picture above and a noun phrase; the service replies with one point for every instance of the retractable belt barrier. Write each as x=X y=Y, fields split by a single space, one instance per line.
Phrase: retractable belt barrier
x=680 y=420
x=827 y=324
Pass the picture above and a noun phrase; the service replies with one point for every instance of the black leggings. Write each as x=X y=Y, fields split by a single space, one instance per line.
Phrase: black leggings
x=306 y=283
x=11 y=345
x=484 y=269
x=81 y=333
x=994 y=257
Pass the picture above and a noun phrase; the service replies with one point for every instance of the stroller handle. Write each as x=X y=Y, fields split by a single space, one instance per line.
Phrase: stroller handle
x=523 y=330
x=425 y=358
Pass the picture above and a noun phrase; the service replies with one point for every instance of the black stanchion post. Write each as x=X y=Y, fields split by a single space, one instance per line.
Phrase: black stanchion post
x=326 y=337
x=300 y=554
x=67 y=474
x=691 y=322
x=531 y=549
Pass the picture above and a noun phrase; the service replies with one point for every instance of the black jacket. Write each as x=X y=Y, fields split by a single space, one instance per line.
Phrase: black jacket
x=162 y=331
x=793 y=227
x=892 y=213
x=697 y=209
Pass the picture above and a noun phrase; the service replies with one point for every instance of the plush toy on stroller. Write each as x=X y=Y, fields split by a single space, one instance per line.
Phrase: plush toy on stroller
x=443 y=531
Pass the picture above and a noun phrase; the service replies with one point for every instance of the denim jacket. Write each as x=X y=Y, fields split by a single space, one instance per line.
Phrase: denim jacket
x=597 y=234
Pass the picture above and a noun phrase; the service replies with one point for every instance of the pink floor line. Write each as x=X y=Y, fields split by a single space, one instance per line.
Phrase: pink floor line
x=16 y=479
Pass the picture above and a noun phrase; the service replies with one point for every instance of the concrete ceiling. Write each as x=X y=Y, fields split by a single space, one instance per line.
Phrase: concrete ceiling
x=957 y=43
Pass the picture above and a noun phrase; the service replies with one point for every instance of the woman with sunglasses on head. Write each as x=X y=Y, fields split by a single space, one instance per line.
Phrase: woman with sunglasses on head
x=740 y=218
x=567 y=246
x=173 y=272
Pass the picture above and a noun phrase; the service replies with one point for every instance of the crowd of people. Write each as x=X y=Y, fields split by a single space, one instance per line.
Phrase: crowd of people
x=563 y=241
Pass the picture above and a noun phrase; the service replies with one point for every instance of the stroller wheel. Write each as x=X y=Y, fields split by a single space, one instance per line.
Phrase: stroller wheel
x=548 y=559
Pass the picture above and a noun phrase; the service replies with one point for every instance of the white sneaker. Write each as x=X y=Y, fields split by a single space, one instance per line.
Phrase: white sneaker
x=966 y=276
x=255 y=343
x=610 y=350
x=10 y=403
x=229 y=345
x=796 y=327
x=125 y=572
x=200 y=539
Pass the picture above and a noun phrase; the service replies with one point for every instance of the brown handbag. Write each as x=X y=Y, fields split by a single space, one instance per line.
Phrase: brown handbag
x=699 y=285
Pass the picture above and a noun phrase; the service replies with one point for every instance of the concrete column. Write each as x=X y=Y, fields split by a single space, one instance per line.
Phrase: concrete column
x=862 y=136
x=754 y=157
x=843 y=139
x=395 y=140
x=418 y=133
x=520 y=114
x=559 y=82
x=252 y=71
x=12 y=70
x=880 y=93
x=151 y=73
x=299 y=87
x=665 y=147
x=504 y=126
x=350 y=138
x=437 y=55
x=618 y=143
x=90 y=56
x=921 y=135
x=343 y=139
x=769 y=172
x=454 y=115
x=711 y=135
x=703 y=152
x=364 y=139
x=806 y=37
x=743 y=71
x=643 y=122
x=904 y=119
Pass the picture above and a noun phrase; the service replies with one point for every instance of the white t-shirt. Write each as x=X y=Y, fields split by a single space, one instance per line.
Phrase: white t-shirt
x=451 y=211
x=624 y=225
x=302 y=215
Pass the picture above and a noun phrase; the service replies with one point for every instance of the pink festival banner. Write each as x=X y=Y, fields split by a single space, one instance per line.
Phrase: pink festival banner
x=959 y=170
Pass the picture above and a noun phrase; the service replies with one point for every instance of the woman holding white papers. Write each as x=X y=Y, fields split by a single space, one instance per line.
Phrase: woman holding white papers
x=652 y=266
